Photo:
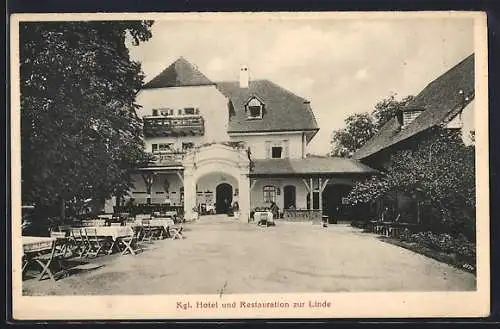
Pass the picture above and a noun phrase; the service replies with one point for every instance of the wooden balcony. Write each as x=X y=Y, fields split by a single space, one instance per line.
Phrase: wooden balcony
x=174 y=126
x=167 y=158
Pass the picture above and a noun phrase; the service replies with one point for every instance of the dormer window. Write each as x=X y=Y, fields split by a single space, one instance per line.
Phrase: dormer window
x=408 y=116
x=189 y=111
x=254 y=108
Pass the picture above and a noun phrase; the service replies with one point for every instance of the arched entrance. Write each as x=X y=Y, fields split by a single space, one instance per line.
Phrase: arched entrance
x=332 y=202
x=223 y=198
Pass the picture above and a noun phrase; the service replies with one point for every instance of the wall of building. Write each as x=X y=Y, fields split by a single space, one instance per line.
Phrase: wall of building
x=210 y=102
x=257 y=192
x=258 y=144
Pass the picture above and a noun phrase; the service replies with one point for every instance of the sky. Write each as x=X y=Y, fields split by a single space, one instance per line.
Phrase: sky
x=343 y=66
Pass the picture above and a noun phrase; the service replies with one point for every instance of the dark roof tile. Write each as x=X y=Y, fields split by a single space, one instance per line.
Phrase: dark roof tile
x=284 y=111
x=440 y=101
x=179 y=73
x=327 y=165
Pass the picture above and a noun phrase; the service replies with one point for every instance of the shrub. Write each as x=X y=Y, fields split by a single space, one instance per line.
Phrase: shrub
x=444 y=242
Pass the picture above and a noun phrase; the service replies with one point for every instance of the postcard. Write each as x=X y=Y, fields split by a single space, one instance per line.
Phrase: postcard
x=249 y=165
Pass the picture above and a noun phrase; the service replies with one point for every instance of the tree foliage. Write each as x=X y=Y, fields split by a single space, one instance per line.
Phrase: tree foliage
x=80 y=134
x=386 y=109
x=440 y=172
x=360 y=127
x=358 y=130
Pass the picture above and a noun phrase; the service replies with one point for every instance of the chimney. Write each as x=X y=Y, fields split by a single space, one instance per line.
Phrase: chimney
x=244 y=77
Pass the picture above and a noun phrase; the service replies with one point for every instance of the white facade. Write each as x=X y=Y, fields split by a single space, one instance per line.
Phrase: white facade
x=261 y=144
x=212 y=106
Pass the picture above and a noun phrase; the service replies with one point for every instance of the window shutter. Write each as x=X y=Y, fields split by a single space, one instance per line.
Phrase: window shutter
x=285 y=149
x=268 y=149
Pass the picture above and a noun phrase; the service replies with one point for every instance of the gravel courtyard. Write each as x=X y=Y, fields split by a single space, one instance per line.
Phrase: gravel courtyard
x=221 y=253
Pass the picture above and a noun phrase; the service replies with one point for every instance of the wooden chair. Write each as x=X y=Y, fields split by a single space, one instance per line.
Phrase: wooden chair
x=46 y=260
x=176 y=232
x=63 y=241
x=96 y=244
x=80 y=245
x=148 y=232
x=131 y=242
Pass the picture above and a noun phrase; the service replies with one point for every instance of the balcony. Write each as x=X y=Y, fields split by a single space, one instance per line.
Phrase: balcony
x=173 y=126
x=166 y=159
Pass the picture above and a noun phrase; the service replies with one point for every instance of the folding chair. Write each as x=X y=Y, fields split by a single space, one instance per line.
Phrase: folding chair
x=132 y=242
x=80 y=245
x=96 y=244
x=45 y=261
x=147 y=231
x=63 y=243
x=176 y=232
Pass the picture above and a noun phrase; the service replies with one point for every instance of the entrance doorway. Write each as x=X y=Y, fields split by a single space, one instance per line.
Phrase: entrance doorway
x=223 y=198
x=332 y=202
x=289 y=197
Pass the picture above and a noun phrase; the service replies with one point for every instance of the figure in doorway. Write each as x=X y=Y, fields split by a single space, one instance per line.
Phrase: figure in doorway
x=275 y=210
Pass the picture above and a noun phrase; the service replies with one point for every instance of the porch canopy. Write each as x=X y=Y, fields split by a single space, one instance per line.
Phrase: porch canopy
x=315 y=172
x=309 y=166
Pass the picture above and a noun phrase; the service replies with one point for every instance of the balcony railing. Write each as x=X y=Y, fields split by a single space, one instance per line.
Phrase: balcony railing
x=166 y=126
x=167 y=158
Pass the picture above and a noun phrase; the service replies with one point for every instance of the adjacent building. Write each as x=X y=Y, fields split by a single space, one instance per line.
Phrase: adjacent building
x=446 y=102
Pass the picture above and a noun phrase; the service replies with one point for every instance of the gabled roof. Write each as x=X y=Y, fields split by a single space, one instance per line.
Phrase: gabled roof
x=179 y=73
x=283 y=110
x=440 y=101
x=327 y=165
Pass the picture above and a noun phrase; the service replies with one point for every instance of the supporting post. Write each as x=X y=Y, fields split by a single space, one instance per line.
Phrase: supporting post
x=322 y=187
x=148 y=180
x=311 y=199
x=180 y=176
x=307 y=185
x=320 y=195
x=252 y=184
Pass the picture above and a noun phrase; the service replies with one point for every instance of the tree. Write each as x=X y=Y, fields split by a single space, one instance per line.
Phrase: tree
x=386 y=109
x=440 y=172
x=361 y=127
x=80 y=135
x=358 y=130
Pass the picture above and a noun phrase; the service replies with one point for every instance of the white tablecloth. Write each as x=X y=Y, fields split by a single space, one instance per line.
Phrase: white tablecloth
x=165 y=223
x=258 y=215
x=35 y=243
x=114 y=232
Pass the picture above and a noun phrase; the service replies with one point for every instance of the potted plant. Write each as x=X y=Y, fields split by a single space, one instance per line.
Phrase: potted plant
x=236 y=209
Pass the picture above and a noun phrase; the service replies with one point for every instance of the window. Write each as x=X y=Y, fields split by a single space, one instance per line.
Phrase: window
x=164 y=147
x=179 y=112
x=187 y=146
x=189 y=110
x=155 y=112
x=269 y=193
x=254 y=112
x=276 y=152
x=254 y=108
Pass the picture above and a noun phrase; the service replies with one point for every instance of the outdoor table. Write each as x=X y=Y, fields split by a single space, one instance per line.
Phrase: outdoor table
x=116 y=233
x=163 y=223
x=36 y=243
x=40 y=250
x=266 y=216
